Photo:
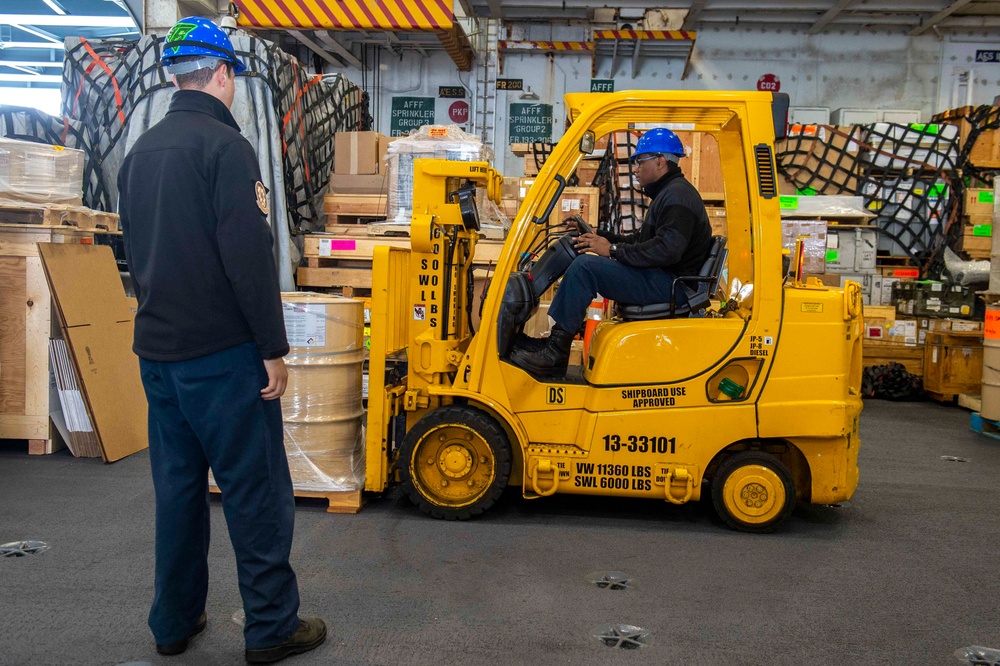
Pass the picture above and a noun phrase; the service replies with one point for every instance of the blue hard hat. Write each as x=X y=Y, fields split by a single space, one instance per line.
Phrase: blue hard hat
x=195 y=36
x=659 y=140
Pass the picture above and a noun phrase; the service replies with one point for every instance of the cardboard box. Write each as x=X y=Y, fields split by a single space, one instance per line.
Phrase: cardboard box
x=378 y=184
x=979 y=201
x=511 y=189
x=97 y=323
x=819 y=159
x=357 y=153
x=39 y=173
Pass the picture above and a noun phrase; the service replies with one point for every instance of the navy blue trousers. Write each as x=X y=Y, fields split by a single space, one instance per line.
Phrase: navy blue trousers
x=207 y=413
x=590 y=275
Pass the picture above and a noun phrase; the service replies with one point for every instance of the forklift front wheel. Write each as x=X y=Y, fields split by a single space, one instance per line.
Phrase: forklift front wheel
x=455 y=462
x=753 y=492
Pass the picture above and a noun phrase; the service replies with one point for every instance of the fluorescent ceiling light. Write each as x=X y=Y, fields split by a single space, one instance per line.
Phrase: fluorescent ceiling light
x=55 y=6
x=29 y=63
x=23 y=69
x=29 y=45
x=49 y=37
x=31 y=78
x=71 y=21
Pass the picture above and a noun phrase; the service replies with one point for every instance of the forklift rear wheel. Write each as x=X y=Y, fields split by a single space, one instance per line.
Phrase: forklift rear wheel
x=753 y=492
x=455 y=462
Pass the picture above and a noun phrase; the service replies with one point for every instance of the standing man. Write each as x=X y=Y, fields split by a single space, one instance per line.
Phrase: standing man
x=636 y=268
x=210 y=338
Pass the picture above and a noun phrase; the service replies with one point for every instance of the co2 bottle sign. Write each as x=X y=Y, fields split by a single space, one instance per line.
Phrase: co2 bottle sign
x=529 y=123
x=769 y=83
x=409 y=113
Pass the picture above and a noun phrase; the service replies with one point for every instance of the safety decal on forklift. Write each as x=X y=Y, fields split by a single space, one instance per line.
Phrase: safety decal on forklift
x=555 y=395
x=654 y=397
x=613 y=477
x=814 y=308
x=759 y=345
x=419 y=312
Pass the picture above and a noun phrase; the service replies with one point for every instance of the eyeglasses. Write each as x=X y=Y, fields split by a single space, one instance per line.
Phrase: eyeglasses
x=646 y=158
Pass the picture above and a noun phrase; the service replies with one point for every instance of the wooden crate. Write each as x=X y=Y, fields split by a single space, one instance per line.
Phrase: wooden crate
x=883 y=352
x=55 y=215
x=26 y=324
x=953 y=362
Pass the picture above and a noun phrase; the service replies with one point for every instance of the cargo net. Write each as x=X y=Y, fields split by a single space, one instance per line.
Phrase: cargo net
x=623 y=206
x=973 y=122
x=891 y=382
x=903 y=172
x=109 y=88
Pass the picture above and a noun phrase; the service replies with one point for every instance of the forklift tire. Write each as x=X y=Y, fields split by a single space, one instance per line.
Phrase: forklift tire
x=753 y=492
x=455 y=462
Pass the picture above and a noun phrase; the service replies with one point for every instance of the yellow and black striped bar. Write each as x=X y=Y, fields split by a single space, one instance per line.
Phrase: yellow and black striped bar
x=347 y=14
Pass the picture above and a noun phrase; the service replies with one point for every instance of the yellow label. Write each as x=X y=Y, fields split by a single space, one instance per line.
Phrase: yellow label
x=812 y=307
x=438 y=131
x=555 y=395
x=58 y=148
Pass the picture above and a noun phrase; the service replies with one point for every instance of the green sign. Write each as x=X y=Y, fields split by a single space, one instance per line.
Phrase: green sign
x=982 y=230
x=602 y=85
x=985 y=197
x=529 y=123
x=786 y=202
x=409 y=113
x=832 y=256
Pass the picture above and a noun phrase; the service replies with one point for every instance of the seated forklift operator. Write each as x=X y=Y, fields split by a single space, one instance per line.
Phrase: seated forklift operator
x=636 y=268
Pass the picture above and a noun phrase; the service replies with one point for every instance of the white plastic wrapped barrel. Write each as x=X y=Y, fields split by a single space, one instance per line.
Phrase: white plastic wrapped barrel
x=322 y=409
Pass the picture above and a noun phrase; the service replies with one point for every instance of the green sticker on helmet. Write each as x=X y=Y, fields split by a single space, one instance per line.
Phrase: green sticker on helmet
x=180 y=31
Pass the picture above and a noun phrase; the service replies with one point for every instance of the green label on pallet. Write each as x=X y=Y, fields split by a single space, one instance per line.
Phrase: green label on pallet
x=982 y=230
x=921 y=127
x=807 y=192
x=787 y=202
x=985 y=197
x=938 y=191
x=832 y=256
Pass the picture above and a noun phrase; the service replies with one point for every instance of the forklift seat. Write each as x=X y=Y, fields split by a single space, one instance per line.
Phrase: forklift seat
x=697 y=288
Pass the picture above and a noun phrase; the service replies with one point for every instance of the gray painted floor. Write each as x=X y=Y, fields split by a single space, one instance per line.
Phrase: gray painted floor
x=906 y=573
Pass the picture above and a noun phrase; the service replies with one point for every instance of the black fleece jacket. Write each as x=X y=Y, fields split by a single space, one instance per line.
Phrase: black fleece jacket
x=676 y=234
x=196 y=239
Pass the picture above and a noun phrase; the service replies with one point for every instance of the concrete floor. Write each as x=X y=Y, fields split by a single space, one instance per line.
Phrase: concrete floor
x=905 y=573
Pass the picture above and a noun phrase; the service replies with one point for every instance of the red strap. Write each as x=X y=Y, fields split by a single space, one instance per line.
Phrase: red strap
x=107 y=70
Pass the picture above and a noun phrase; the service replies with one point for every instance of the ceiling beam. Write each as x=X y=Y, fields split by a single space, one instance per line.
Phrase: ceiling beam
x=829 y=15
x=495 y=11
x=71 y=21
x=693 y=13
x=31 y=78
x=940 y=16
x=30 y=63
x=44 y=34
x=316 y=48
x=331 y=43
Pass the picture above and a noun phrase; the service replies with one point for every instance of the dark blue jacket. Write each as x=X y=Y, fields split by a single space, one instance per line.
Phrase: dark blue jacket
x=196 y=237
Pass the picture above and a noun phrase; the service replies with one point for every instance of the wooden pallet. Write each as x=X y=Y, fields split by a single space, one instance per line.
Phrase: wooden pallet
x=371 y=205
x=974 y=403
x=984 y=426
x=54 y=215
x=390 y=229
x=344 y=501
x=943 y=398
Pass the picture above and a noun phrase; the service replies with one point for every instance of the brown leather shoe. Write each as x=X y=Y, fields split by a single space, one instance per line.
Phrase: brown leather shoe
x=311 y=634
x=171 y=649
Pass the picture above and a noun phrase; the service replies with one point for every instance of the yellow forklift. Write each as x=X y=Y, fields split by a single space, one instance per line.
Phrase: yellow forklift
x=754 y=400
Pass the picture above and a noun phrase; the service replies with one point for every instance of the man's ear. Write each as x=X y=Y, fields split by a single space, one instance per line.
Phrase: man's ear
x=220 y=75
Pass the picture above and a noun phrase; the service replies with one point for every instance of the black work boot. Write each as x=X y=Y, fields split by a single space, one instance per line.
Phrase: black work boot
x=525 y=342
x=311 y=634
x=552 y=360
x=172 y=649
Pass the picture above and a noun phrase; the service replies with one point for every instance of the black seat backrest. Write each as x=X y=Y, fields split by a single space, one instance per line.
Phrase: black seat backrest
x=697 y=288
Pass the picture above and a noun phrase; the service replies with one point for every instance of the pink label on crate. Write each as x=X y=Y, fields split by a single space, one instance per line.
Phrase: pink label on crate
x=328 y=245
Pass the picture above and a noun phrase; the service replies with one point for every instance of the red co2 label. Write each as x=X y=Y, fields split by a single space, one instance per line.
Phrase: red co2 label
x=769 y=83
